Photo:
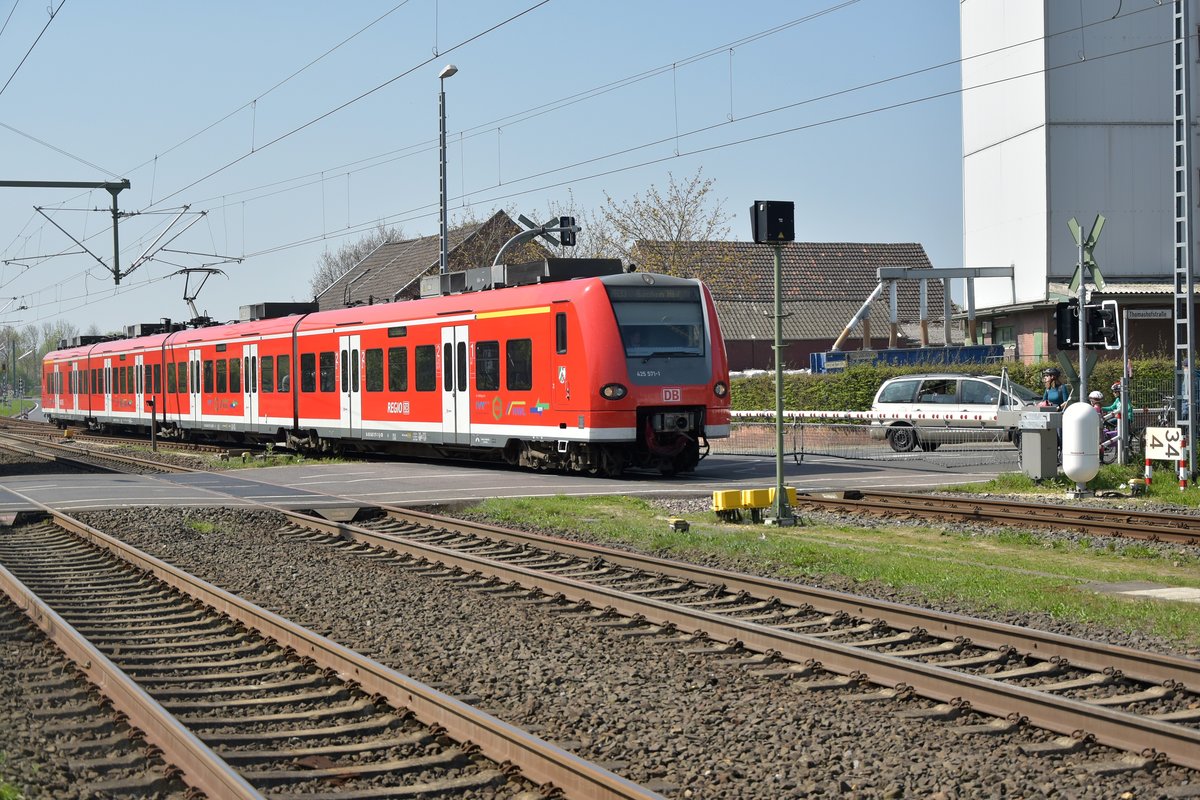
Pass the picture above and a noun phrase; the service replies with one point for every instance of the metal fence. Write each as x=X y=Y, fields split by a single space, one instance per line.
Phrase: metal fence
x=754 y=435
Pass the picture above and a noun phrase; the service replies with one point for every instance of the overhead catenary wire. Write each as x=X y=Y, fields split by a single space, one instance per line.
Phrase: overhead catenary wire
x=24 y=58
x=419 y=213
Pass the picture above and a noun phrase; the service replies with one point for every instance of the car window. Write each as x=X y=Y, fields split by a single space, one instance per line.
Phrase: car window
x=1022 y=393
x=897 y=392
x=979 y=393
x=938 y=390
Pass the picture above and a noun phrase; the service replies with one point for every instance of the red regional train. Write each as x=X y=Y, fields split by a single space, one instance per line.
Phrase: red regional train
x=559 y=364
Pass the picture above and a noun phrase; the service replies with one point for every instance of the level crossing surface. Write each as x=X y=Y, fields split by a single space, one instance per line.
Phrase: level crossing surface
x=431 y=483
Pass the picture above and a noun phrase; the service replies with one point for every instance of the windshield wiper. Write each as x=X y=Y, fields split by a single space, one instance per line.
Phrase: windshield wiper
x=671 y=353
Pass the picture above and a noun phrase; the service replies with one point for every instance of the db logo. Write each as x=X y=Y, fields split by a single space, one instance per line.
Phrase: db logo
x=672 y=394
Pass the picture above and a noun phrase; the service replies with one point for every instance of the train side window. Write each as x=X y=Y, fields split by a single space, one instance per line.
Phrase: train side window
x=235 y=375
x=345 y=371
x=172 y=386
x=283 y=366
x=157 y=378
x=560 y=333
x=182 y=369
x=130 y=377
x=222 y=373
x=354 y=369
x=267 y=383
x=308 y=372
x=253 y=373
x=397 y=369
x=426 y=368
x=120 y=380
x=328 y=361
x=208 y=376
x=374 y=376
x=487 y=366
x=462 y=366
x=447 y=366
x=518 y=357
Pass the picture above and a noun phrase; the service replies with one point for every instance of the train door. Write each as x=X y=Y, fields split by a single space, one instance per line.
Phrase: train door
x=250 y=383
x=139 y=387
x=194 y=386
x=56 y=387
x=351 y=397
x=456 y=398
x=74 y=385
x=107 y=388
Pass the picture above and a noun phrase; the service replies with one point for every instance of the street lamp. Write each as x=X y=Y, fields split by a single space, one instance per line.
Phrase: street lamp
x=446 y=72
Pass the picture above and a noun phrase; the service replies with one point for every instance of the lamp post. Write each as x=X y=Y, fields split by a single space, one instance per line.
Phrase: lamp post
x=446 y=72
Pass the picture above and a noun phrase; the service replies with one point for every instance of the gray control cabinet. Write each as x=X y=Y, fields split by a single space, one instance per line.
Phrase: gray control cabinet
x=1039 y=440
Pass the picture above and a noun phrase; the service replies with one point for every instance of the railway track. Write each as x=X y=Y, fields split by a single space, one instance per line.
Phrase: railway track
x=243 y=703
x=1144 y=703
x=1146 y=525
x=87 y=459
x=48 y=432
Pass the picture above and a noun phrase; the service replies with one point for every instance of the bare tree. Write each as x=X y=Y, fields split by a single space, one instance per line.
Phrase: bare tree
x=595 y=240
x=649 y=229
x=492 y=233
x=332 y=266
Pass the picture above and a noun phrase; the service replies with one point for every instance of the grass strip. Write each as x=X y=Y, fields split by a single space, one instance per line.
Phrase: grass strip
x=1001 y=571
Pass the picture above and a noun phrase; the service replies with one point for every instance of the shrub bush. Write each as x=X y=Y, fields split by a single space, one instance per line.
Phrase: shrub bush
x=854 y=389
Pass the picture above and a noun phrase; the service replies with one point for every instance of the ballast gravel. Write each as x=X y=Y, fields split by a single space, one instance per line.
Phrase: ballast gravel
x=688 y=724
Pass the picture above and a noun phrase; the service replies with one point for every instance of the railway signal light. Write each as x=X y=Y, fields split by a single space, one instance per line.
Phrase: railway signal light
x=1066 y=325
x=1103 y=329
x=567 y=234
x=773 y=221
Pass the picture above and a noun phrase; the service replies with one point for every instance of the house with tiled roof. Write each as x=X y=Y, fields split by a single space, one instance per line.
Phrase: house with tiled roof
x=393 y=271
x=824 y=284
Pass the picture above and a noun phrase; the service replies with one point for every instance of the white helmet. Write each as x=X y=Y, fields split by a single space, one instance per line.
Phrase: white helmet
x=1096 y=395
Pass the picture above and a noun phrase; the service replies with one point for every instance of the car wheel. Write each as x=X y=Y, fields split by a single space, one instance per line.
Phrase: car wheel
x=902 y=438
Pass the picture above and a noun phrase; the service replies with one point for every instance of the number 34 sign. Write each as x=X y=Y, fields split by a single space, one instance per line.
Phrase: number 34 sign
x=1165 y=444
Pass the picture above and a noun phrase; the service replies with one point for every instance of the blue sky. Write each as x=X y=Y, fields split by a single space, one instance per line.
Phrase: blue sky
x=201 y=104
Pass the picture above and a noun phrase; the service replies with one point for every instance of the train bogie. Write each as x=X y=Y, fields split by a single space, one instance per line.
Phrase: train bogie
x=593 y=375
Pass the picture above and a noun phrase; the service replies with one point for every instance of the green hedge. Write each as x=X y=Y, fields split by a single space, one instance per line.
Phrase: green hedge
x=854 y=389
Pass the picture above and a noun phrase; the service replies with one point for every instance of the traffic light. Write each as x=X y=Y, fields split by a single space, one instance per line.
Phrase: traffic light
x=1066 y=325
x=567 y=237
x=1103 y=328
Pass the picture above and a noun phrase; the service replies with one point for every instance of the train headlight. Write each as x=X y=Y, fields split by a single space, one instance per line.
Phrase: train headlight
x=613 y=391
x=720 y=389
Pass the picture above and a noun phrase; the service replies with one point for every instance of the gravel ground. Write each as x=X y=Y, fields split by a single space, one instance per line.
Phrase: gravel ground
x=689 y=724
x=15 y=465
x=36 y=753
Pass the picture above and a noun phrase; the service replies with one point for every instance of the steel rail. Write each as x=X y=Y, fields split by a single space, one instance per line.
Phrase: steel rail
x=75 y=456
x=1119 y=729
x=538 y=760
x=1150 y=667
x=201 y=768
x=1159 y=526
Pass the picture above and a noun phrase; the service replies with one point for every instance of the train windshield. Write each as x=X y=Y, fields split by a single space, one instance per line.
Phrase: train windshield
x=659 y=321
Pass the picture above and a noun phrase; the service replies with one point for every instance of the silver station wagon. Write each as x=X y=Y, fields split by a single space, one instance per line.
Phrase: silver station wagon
x=959 y=407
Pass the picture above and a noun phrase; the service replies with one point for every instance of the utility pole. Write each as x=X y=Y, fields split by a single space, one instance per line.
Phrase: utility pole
x=113 y=188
